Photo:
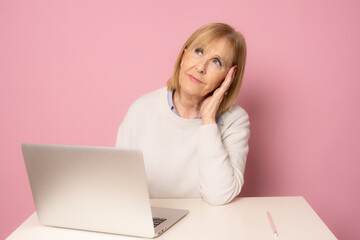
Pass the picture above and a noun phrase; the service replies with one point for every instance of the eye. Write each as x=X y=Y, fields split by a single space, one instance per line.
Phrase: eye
x=217 y=61
x=199 y=51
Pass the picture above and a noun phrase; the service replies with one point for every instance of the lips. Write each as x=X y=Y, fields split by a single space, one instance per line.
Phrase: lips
x=194 y=79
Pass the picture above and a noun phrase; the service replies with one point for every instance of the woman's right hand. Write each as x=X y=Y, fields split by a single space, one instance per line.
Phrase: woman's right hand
x=211 y=104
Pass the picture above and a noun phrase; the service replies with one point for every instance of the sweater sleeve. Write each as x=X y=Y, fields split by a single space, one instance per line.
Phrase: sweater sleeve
x=222 y=158
x=123 y=138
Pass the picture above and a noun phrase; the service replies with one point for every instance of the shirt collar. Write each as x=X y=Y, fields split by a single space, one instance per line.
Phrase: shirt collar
x=173 y=108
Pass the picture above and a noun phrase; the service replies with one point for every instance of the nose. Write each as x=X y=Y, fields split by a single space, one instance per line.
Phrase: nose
x=201 y=67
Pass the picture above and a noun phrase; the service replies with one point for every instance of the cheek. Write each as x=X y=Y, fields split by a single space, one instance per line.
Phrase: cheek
x=216 y=80
x=186 y=61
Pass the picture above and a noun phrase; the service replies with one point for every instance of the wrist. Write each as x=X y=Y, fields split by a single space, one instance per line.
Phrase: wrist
x=207 y=121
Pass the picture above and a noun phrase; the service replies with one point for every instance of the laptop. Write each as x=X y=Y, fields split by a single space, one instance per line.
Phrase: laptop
x=100 y=189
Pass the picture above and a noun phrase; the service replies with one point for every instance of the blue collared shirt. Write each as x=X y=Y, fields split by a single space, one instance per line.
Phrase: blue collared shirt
x=173 y=108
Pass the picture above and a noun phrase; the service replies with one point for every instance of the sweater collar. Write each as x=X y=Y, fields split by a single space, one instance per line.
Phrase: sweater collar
x=173 y=108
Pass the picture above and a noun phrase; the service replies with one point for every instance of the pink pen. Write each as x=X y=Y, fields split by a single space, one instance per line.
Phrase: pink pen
x=272 y=225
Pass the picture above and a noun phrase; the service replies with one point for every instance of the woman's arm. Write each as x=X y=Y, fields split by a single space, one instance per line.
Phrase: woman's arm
x=222 y=157
x=123 y=138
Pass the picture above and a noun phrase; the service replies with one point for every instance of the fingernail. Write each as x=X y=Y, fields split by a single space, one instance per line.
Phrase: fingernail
x=232 y=75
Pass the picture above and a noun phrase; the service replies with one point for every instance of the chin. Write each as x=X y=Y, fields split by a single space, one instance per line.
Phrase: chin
x=192 y=89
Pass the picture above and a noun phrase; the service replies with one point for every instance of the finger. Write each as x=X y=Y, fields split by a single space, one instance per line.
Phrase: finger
x=228 y=80
x=229 y=77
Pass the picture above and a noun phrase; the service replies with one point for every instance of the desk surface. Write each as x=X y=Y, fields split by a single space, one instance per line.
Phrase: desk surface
x=244 y=218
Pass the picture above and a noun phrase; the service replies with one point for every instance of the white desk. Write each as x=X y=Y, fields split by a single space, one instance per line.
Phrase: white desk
x=243 y=219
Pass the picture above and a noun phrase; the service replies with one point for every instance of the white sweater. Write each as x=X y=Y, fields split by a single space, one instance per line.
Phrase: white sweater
x=183 y=158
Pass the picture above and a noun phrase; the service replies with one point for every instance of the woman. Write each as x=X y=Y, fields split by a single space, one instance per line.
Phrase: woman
x=193 y=137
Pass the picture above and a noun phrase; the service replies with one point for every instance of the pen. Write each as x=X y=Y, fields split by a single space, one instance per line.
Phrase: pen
x=272 y=225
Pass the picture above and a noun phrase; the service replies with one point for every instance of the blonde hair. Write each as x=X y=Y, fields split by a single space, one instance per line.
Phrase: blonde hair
x=205 y=35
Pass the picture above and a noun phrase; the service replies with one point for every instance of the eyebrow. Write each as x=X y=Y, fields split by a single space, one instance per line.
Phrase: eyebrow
x=219 y=57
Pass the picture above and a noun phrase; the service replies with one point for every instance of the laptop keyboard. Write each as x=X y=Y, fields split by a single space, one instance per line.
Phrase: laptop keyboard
x=157 y=221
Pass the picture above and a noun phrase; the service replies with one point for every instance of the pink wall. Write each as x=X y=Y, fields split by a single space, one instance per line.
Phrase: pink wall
x=70 y=69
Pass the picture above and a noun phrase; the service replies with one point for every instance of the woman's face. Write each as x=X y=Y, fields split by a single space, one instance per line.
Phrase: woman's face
x=205 y=67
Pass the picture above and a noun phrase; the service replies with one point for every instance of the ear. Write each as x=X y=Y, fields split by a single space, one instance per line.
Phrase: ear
x=185 y=50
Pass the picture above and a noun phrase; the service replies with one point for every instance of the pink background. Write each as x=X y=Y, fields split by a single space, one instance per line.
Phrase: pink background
x=70 y=69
